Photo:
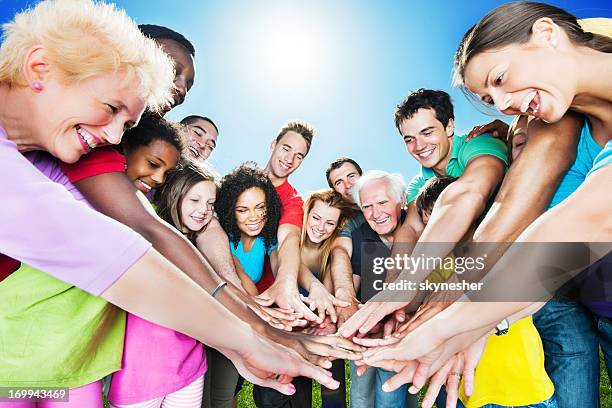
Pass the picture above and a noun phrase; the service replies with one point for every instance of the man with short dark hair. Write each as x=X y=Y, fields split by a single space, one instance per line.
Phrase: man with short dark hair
x=182 y=52
x=287 y=151
x=341 y=175
x=426 y=122
x=203 y=134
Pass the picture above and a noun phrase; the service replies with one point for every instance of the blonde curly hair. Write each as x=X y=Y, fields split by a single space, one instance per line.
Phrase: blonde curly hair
x=84 y=39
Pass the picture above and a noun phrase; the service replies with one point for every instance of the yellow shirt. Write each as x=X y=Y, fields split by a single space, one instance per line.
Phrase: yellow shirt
x=511 y=371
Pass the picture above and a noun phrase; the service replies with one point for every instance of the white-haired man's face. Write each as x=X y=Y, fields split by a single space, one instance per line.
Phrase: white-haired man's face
x=380 y=208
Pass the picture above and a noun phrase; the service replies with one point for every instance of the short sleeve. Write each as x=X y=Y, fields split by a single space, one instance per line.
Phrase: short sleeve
x=604 y=158
x=46 y=227
x=99 y=161
x=414 y=186
x=293 y=205
x=483 y=144
x=355 y=222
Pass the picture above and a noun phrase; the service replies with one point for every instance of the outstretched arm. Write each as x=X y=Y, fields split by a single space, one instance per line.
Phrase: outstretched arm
x=214 y=244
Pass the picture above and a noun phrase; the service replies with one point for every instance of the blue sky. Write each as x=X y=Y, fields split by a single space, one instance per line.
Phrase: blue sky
x=341 y=65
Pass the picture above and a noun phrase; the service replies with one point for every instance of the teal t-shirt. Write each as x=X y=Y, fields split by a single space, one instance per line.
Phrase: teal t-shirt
x=586 y=152
x=461 y=153
x=252 y=261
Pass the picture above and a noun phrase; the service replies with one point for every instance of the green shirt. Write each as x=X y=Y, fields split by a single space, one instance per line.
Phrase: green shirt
x=460 y=155
x=54 y=334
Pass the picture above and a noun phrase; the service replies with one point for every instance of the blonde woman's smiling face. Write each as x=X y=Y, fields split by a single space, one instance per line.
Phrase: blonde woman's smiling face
x=322 y=221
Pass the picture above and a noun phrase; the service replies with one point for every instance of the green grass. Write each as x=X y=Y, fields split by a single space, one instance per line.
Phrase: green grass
x=245 y=397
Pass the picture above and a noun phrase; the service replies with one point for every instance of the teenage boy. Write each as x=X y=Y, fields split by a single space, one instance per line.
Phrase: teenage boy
x=203 y=134
x=426 y=122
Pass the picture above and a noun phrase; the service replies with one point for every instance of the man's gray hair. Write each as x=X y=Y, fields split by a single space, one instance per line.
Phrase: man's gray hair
x=395 y=182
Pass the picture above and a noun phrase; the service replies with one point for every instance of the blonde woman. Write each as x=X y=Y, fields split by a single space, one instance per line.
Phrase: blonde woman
x=73 y=76
x=325 y=214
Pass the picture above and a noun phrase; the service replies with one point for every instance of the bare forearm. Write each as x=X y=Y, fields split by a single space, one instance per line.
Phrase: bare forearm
x=214 y=244
x=305 y=277
x=146 y=290
x=342 y=274
x=289 y=260
x=452 y=217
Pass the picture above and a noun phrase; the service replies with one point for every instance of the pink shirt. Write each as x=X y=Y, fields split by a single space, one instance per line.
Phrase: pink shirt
x=156 y=361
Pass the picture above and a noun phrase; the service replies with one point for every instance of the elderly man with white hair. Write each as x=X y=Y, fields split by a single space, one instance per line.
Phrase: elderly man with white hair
x=380 y=196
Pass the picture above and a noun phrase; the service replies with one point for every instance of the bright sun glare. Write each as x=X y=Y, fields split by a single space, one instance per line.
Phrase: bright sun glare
x=289 y=51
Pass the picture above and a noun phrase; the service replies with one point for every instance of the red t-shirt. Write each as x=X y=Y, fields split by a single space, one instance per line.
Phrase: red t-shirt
x=99 y=161
x=293 y=205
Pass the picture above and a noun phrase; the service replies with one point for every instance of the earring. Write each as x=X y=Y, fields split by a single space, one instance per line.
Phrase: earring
x=37 y=86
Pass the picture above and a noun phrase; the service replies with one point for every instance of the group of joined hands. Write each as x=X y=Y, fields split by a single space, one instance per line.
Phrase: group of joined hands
x=322 y=327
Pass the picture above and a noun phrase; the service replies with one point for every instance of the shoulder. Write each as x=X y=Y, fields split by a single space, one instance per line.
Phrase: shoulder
x=287 y=192
x=484 y=144
x=99 y=161
x=414 y=186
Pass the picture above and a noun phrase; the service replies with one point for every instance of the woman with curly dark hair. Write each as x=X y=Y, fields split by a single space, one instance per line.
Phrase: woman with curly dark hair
x=249 y=209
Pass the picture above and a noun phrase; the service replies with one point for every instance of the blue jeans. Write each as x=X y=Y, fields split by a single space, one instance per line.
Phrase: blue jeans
x=571 y=346
x=549 y=403
x=604 y=327
x=366 y=391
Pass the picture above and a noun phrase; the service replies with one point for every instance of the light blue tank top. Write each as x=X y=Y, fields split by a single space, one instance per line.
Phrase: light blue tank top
x=253 y=260
x=586 y=152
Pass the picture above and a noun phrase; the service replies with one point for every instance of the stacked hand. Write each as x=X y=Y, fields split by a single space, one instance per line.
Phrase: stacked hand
x=287 y=297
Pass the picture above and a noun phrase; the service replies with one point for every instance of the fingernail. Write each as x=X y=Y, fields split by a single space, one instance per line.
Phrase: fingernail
x=413 y=389
x=386 y=388
x=291 y=389
x=426 y=403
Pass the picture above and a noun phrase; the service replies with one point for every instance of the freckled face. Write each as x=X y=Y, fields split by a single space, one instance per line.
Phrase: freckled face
x=251 y=211
x=197 y=206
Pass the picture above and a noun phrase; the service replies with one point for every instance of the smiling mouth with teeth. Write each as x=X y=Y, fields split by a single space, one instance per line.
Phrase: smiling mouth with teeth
x=531 y=103
x=86 y=138
x=195 y=152
x=426 y=154
x=142 y=186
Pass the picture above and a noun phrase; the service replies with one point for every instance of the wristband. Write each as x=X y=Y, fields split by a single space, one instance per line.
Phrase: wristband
x=502 y=328
x=218 y=288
